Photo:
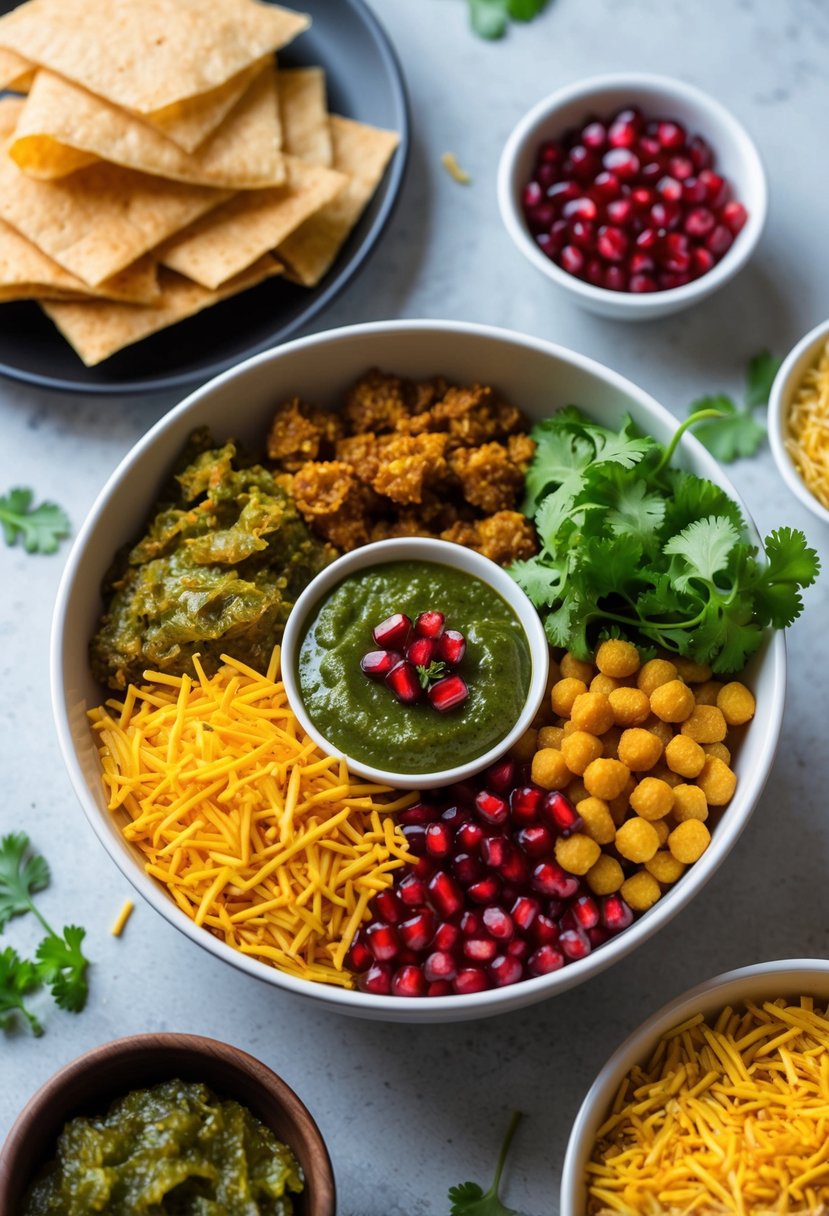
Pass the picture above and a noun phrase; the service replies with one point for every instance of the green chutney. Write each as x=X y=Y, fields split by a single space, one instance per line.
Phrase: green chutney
x=362 y=717
x=172 y=1150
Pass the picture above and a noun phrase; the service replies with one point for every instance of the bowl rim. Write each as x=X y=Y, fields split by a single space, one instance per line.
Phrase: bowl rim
x=799 y=358
x=635 y=1045
x=171 y=1043
x=432 y=552
x=449 y=1008
x=527 y=128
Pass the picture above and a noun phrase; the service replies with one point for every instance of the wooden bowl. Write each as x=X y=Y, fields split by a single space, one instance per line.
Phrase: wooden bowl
x=88 y=1084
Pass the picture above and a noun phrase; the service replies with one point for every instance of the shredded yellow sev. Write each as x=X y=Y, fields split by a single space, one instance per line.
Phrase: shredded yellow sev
x=256 y=833
x=122 y=918
x=808 y=428
x=450 y=164
x=728 y=1116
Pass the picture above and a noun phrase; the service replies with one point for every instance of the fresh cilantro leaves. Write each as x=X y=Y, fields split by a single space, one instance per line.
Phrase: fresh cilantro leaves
x=735 y=432
x=41 y=528
x=470 y=1199
x=653 y=553
x=59 y=959
x=490 y=18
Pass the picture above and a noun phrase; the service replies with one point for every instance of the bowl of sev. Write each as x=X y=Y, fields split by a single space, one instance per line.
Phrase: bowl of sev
x=718 y=1103
x=230 y=821
x=799 y=421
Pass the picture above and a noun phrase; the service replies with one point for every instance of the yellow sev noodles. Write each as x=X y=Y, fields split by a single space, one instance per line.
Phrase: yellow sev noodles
x=808 y=428
x=256 y=833
x=728 y=1116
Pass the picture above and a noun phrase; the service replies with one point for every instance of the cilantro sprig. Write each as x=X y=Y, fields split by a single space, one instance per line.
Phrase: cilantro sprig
x=490 y=18
x=731 y=431
x=470 y=1199
x=59 y=960
x=41 y=528
x=630 y=546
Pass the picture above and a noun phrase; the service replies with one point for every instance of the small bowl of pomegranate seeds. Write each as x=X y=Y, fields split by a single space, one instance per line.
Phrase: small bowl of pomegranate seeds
x=419 y=661
x=639 y=194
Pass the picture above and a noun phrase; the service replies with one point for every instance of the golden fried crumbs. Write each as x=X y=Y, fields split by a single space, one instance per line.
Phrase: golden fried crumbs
x=301 y=432
x=488 y=477
x=504 y=537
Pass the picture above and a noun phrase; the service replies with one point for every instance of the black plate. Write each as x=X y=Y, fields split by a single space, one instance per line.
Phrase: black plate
x=365 y=82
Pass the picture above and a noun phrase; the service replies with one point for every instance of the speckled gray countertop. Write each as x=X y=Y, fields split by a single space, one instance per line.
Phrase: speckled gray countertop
x=407 y=1112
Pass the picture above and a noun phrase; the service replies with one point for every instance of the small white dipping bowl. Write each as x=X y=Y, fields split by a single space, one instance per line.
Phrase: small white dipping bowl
x=736 y=158
x=441 y=553
x=786 y=383
x=536 y=375
x=760 y=982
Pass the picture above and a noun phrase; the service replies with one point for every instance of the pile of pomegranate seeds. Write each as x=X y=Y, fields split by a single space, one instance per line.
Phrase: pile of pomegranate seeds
x=632 y=204
x=418 y=658
x=486 y=904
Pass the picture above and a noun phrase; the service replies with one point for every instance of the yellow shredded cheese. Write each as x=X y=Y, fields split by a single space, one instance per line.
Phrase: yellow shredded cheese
x=450 y=164
x=808 y=428
x=729 y=1115
x=122 y=918
x=257 y=835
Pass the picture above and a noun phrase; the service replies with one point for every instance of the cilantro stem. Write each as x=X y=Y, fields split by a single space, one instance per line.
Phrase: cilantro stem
x=505 y=1147
x=668 y=452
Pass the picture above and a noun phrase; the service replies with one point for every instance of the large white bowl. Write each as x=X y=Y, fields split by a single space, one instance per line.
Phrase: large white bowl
x=786 y=383
x=760 y=982
x=540 y=378
x=736 y=157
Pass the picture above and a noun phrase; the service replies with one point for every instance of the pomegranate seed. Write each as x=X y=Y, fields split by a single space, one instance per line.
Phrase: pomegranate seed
x=378 y=663
x=648 y=148
x=720 y=240
x=536 y=840
x=485 y=890
x=438 y=840
x=360 y=957
x=466 y=869
x=439 y=988
x=491 y=808
x=619 y=211
x=544 y=930
x=598 y=935
x=424 y=868
x=471 y=924
x=699 y=222
x=549 y=878
x=519 y=947
x=681 y=167
x=541 y=217
x=546 y=244
x=421 y=651
x=642 y=282
x=622 y=134
x=640 y=263
x=494 y=850
x=470 y=979
x=641 y=197
x=606 y=186
x=616 y=915
x=506 y=969
x=574 y=943
x=693 y=190
x=446 y=937
x=531 y=196
x=513 y=868
x=469 y=836
x=612 y=243
x=445 y=894
x=430 y=624
x=479 y=949
x=546 y=175
x=622 y=162
x=389 y=906
x=734 y=216
x=451 y=646
x=393 y=633
x=524 y=911
x=648 y=238
x=581 y=163
x=594 y=136
x=544 y=960
x=572 y=259
x=439 y=965
x=417 y=932
x=415 y=834
x=551 y=151
x=448 y=693
x=408 y=981
x=498 y=923
x=382 y=941
x=418 y=812
x=615 y=279
x=580 y=208
x=632 y=115
x=501 y=776
x=525 y=803
x=700 y=152
x=670 y=188
x=377 y=980
x=455 y=816
x=561 y=192
x=665 y=214
x=583 y=234
x=464 y=792
x=668 y=279
x=676 y=253
x=411 y=891
x=585 y=910
x=670 y=135
x=594 y=272
x=716 y=190
x=701 y=261
x=652 y=172
x=403 y=682
x=561 y=814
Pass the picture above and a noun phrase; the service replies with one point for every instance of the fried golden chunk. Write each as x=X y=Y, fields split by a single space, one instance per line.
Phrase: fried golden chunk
x=487 y=476
x=521 y=449
x=362 y=452
x=302 y=432
x=377 y=402
x=504 y=537
x=409 y=463
x=335 y=502
x=473 y=416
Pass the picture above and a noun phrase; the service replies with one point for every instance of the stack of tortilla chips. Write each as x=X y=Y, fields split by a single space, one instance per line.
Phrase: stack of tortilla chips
x=161 y=161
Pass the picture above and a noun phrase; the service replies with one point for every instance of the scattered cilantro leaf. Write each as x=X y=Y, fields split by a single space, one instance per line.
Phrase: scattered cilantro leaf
x=18 y=977
x=41 y=528
x=434 y=671
x=22 y=873
x=736 y=432
x=62 y=965
x=470 y=1199
x=489 y=18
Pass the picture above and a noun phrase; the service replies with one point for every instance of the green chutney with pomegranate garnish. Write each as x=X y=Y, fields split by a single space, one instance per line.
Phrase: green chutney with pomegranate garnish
x=363 y=718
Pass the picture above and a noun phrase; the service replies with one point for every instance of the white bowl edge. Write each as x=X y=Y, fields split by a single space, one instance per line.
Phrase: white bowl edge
x=798 y=361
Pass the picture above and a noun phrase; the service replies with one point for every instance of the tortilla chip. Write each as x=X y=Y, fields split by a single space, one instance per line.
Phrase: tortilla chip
x=26 y=273
x=305 y=126
x=189 y=122
x=97 y=329
x=62 y=127
x=223 y=244
x=100 y=219
x=361 y=152
x=15 y=71
x=146 y=56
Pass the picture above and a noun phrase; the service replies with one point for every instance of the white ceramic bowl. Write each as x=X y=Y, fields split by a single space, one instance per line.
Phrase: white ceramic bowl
x=441 y=553
x=537 y=375
x=660 y=96
x=786 y=383
x=762 y=981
